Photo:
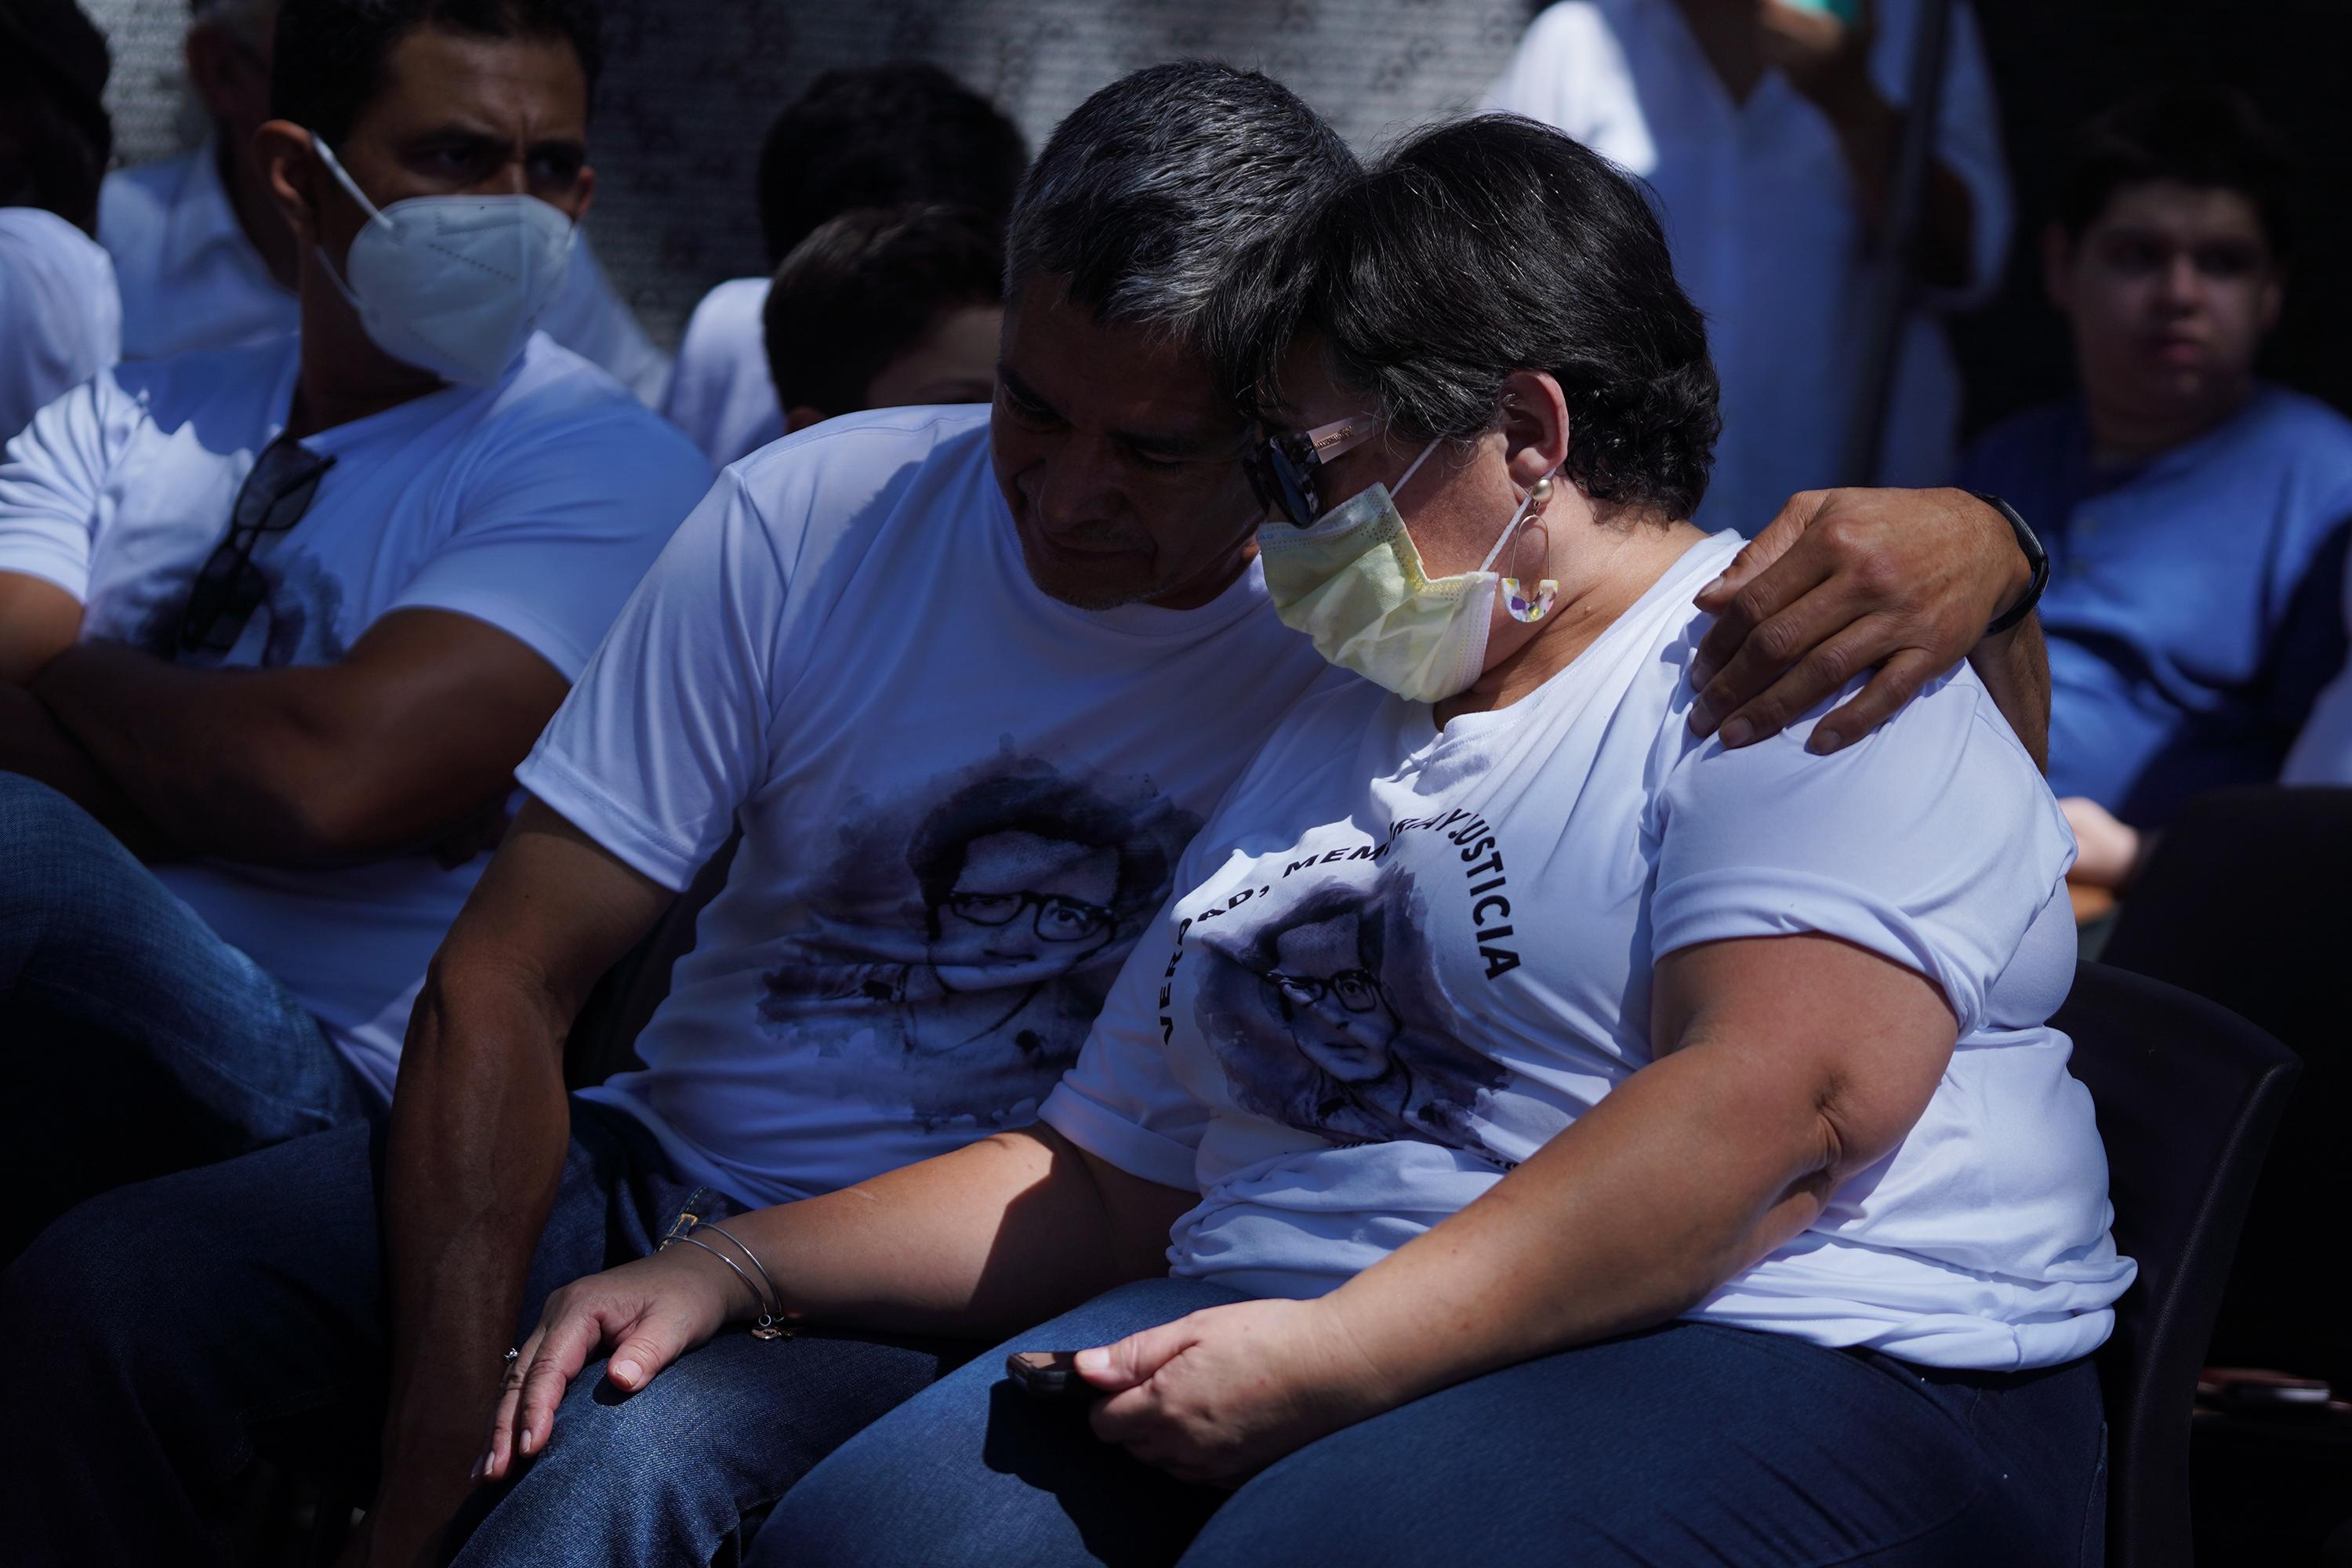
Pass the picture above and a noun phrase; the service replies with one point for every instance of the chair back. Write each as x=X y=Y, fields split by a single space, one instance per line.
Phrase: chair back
x=2188 y=1096
x=2248 y=902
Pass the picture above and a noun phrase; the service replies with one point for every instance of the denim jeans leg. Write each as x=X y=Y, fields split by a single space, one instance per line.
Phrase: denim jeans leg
x=685 y=1470
x=137 y=1041
x=972 y=1471
x=1691 y=1444
x=188 y=1325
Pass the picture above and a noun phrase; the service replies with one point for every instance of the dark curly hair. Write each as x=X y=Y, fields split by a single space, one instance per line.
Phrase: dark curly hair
x=1497 y=243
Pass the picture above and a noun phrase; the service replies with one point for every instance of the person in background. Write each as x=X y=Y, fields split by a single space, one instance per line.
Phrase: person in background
x=205 y=260
x=883 y=308
x=2195 y=515
x=284 y=617
x=1769 y=132
x=60 y=323
x=886 y=135
x=967 y=679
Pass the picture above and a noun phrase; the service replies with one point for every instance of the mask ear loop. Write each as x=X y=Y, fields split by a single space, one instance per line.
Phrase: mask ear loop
x=1521 y=606
x=1413 y=467
x=335 y=167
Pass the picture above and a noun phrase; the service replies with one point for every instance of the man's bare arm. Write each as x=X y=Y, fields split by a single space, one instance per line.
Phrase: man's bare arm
x=1900 y=581
x=2015 y=669
x=479 y=1126
x=34 y=745
x=38 y=621
x=407 y=736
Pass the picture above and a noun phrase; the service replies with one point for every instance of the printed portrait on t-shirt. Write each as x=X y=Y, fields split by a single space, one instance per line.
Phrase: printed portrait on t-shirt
x=294 y=603
x=1326 y=1016
x=1015 y=892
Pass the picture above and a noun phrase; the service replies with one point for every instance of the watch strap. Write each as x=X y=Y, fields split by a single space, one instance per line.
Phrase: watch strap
x=2035 y=557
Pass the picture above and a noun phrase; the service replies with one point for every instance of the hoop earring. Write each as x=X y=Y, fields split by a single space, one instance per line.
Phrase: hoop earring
x=1524 y=608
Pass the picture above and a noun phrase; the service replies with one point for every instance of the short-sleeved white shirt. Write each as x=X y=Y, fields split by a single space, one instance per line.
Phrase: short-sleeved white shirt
x=720 y=392
x=1768 y=233
x=191 y=279
x=59 y=319
x=959 y=799
x=534 y=505
x=1400 y=960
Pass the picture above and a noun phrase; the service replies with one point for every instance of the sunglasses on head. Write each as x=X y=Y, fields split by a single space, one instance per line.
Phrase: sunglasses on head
x=1284 y=469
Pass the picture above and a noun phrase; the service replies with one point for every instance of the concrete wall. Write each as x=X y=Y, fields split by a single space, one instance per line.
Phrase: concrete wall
x=691 y=86
x=693 y=83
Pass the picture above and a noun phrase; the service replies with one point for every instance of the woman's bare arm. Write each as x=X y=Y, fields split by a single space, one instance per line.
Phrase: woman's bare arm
x=1785 y=1066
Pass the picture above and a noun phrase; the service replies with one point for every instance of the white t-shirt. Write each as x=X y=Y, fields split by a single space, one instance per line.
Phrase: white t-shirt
x=191 y=279
x=1401 y=960
x=60 y=323
x=959 y=799
x=721 y=394
x=535 y=505
x=1768 y=234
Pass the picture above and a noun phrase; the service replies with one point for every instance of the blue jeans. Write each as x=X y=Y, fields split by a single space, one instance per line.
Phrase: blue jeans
x=174 y=1330
x=137 y=1042
x=1686 y=1444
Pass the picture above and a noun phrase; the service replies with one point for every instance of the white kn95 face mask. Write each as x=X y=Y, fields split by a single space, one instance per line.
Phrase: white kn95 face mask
x=451 y=284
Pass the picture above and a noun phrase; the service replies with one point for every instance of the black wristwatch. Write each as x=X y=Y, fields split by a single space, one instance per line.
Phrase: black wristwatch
x=2035 y=557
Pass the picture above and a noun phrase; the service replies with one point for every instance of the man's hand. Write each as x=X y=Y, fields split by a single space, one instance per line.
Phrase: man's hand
x=1901 y=582
x=1219 y=1394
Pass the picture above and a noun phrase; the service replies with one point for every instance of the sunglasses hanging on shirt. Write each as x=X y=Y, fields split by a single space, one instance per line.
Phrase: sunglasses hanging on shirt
x=230 y=587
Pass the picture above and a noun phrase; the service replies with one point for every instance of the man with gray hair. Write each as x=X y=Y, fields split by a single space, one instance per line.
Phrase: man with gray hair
x=876 y=650
x=205 y=261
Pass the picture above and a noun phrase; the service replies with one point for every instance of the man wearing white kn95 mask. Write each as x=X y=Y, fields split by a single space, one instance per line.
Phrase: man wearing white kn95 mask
x=279 y=620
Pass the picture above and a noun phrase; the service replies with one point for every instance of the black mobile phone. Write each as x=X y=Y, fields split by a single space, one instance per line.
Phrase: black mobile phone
x=1047 y=1374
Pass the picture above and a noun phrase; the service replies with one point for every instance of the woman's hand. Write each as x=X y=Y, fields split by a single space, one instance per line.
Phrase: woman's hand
x=651 y=1312
x=1218 y=1396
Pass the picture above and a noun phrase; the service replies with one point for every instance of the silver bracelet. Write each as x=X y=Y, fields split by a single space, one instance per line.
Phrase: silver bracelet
x=769 y=1326
x=775 y=1297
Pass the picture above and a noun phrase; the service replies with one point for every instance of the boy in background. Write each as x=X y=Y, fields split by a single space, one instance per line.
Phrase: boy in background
x=886 y=307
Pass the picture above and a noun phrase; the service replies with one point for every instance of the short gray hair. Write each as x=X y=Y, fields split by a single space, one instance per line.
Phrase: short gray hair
x=1166 y=199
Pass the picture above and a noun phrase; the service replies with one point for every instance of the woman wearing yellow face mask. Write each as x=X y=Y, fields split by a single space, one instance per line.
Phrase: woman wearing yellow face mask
x=1576 y=1141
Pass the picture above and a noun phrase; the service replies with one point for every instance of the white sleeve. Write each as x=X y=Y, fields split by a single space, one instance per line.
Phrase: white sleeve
x=1967 y=142
x=666 y=731
x=50 y=480
x=60 y=317
x=2323 y=753
x=1933 y=842
x=1119 y=1101
x=555 y=531
x=588 y=317
x=1550 y=70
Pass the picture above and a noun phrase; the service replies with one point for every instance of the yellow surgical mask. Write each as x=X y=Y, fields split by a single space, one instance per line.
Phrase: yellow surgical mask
x=1354 y=583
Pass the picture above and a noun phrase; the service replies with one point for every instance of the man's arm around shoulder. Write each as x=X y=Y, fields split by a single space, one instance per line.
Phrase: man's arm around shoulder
x=1902 y=583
